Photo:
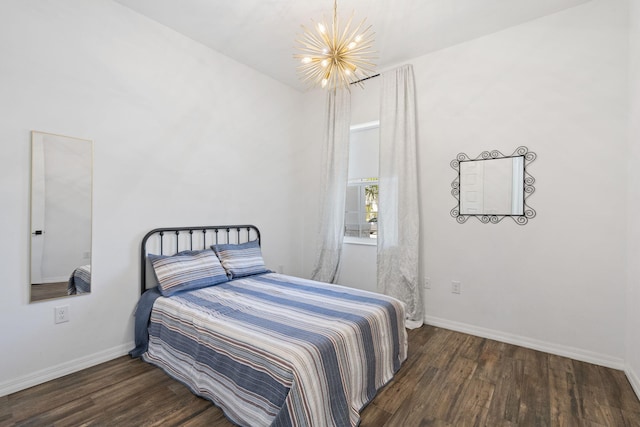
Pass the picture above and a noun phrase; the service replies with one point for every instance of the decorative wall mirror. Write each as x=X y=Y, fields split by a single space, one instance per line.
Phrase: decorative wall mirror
x=493 y=186
x=61 y=203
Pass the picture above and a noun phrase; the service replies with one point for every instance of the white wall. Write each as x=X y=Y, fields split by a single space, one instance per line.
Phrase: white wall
x=633 y=257
x=557 y=85
x=183 y=136
x=358 y=267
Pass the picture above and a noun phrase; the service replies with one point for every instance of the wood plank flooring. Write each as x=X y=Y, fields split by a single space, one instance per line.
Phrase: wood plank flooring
x=449 y=379
x=42 y=291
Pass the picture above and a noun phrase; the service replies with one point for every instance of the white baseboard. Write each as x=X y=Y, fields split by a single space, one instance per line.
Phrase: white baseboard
x=547 y=347
x=63 y=369
x=633 y=379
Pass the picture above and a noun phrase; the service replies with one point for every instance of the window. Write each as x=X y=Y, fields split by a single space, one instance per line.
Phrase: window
x=361 y=209
x=361 y=217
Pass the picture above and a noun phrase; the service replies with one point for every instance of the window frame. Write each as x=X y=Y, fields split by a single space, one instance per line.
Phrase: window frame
x=362 y=183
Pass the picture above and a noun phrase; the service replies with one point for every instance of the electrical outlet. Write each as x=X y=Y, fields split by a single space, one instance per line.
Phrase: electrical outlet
x=61 y=314
x=281 y=269
x=427 y=283
x=455 y=287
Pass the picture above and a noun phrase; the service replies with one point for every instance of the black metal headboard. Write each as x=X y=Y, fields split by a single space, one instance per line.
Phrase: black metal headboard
x=171 y=240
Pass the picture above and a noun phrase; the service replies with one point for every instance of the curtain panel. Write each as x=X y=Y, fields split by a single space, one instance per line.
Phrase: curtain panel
x=334 y=187
x=398 y=203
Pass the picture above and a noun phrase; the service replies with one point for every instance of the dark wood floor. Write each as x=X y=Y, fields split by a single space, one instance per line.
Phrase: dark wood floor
x=449 y=379
x=42 y=291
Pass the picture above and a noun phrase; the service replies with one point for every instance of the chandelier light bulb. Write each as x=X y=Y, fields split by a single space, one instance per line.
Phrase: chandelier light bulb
x=335 y=56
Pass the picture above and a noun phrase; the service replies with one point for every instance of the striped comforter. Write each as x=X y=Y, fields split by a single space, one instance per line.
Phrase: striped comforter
x=277 y=350
x=80 y=281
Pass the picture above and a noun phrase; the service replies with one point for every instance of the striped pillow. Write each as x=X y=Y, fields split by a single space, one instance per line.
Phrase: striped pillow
x=241 y=260
x=187 y=270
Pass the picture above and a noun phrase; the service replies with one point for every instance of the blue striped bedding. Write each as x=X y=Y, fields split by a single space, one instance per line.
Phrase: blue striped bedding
x=277 y=350
x=80 y=281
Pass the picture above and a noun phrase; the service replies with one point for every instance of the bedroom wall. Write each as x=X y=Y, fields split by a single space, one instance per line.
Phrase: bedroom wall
x=633 y=258
x=183 y=136
x=557 y=85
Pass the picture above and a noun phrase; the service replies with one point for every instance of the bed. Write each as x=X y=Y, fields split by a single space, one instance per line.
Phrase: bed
x=267 y=348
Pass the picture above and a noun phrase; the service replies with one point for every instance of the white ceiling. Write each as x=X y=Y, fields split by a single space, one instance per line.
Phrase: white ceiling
x=261 y=33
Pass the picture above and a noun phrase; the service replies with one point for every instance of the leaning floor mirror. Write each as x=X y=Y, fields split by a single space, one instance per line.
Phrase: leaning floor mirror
x=493 y=186
x=61 y=205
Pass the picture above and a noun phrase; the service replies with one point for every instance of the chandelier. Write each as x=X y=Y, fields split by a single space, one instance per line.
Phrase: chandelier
x=335 y=57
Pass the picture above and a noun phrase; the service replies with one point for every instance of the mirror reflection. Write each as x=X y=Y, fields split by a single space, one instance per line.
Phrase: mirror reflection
x=492 y=187
x=61 y=194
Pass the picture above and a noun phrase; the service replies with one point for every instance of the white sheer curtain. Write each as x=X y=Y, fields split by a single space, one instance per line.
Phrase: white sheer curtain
x=398 y=211
x=334 y=187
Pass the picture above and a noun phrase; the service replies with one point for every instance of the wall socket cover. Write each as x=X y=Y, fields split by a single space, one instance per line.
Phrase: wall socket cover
x=455 y=286
x=61 y=314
